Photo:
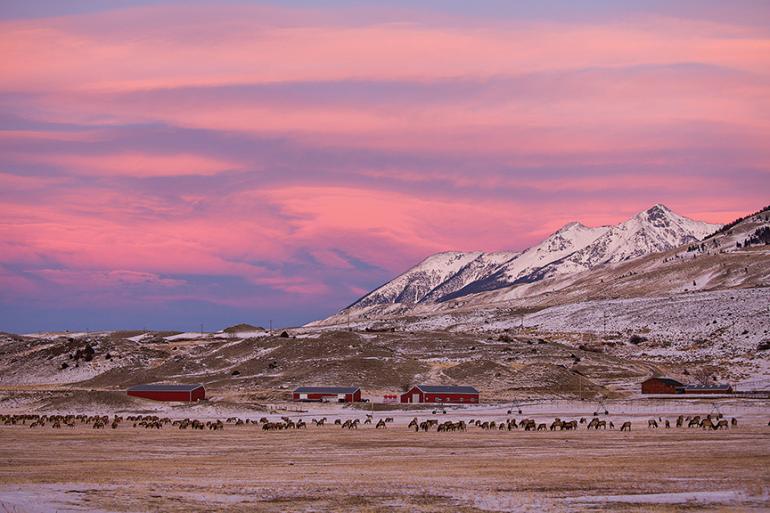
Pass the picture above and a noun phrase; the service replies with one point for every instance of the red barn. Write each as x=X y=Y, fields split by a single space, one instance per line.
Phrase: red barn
x=163 y=392
x=328 y=394
x=441 y=394
x=660 y=385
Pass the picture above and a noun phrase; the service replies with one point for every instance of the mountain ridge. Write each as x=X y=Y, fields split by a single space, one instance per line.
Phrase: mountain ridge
x=573 y=248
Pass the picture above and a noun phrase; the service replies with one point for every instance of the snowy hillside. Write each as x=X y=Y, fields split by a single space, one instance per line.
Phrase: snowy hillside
x=572 y=249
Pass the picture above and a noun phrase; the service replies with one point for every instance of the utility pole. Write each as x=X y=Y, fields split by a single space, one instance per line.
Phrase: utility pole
x=271 y=328
x=580 y=380
x=201 y=329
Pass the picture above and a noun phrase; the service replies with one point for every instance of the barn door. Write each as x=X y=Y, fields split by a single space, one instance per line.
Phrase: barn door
x=415 y=398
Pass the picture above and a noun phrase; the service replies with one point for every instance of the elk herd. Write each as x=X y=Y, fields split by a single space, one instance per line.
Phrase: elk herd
x=706 y=422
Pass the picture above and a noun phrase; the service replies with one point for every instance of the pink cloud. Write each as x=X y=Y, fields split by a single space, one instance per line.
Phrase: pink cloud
x=87 y=279
x=249 y=45
x=136 y=164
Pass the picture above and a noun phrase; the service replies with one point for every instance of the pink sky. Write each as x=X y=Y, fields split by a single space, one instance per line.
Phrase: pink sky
x=248 y=161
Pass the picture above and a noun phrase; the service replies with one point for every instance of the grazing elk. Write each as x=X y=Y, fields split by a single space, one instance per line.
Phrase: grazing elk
x=626 y=426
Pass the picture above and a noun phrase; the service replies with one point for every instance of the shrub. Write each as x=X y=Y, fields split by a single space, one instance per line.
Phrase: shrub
x=637 y=339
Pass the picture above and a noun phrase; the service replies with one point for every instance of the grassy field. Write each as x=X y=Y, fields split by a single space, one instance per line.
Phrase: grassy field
x=327 y=469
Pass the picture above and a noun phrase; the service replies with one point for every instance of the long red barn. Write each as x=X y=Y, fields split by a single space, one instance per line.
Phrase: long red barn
x=167 y=392
x=441 y=394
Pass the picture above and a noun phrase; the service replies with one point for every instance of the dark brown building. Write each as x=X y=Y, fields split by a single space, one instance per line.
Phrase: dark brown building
x=661 y=385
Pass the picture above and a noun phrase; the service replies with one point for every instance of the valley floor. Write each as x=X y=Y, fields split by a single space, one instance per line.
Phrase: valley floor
x=244 y=468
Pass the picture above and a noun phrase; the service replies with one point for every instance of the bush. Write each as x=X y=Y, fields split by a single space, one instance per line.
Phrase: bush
x=637 y=339
x=764 y=345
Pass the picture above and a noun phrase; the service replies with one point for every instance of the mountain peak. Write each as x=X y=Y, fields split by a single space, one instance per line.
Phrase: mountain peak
x=658 y=207
x=571 y=226
x=657 y=215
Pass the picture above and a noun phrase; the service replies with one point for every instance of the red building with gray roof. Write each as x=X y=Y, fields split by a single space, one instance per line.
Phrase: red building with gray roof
x=442 y=394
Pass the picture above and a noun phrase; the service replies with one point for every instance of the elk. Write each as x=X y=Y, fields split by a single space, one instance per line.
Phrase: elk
x=626 y=426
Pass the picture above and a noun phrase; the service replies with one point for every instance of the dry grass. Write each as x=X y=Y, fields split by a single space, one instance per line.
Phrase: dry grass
x=326 y=469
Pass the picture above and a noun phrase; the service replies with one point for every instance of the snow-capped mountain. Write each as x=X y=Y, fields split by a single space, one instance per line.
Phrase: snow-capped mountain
x=651 y=231
x=436 y=276
x=572 y=249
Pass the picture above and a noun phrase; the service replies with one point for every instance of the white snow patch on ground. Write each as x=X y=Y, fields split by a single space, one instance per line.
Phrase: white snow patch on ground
x=242 y=334
x=189 y=335
x=721 y=496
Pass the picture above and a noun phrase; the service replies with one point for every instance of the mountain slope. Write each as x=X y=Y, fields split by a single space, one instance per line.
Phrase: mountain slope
x=568 y=239
x=420 y=280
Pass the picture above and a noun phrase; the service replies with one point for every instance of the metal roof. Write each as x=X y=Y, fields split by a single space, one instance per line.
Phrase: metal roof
x=442 y=389
x=163 y=387
x=707 y=387
x=667 y=381
x=326 y=390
